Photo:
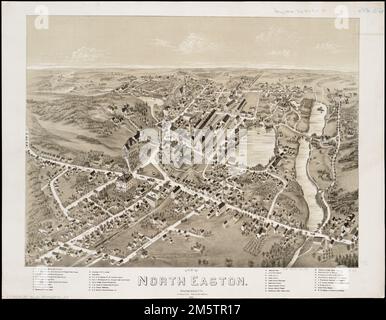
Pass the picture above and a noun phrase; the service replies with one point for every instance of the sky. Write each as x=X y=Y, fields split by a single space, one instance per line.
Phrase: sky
x=103 y=41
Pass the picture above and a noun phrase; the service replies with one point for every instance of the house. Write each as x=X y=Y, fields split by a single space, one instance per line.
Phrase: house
x=175 y=191
x=124 y=182
x=210 y=214
x=152 y=199
x=133 y=140
x=220 y=209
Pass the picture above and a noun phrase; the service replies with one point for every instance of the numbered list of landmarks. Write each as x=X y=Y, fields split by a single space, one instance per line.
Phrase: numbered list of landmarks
x=63 y=280
x=103 y=280
x=327 y=280
x=53 y=279
x=275 y=281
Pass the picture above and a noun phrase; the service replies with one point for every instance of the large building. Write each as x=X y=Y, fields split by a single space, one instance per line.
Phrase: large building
x=124 y=182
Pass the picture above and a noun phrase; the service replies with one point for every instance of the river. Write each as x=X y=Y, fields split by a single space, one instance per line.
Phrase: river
x=310 y=190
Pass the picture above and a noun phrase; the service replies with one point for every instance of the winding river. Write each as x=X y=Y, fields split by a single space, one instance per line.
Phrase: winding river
x=310 y=190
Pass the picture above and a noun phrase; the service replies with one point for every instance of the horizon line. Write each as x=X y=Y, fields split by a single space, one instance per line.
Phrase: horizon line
x=263 y=66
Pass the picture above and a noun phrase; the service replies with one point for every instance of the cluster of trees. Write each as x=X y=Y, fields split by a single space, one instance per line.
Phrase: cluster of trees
x=203 y=261
x=198 y=246
x=271 y=263
x=228 y=262
x=349 y=260
x=278 y=255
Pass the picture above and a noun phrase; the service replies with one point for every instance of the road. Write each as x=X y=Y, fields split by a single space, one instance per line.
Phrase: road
x=252 y=215
x=65 y=164
x=56 y=197
x=89 y=194
x=157 y=237
x=189 y=105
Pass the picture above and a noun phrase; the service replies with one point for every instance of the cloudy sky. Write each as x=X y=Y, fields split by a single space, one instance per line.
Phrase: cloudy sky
x=193 y=42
